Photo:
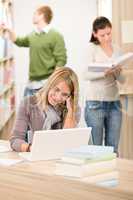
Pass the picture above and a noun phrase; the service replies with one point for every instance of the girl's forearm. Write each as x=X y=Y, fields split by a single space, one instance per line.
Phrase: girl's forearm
x=70 y=121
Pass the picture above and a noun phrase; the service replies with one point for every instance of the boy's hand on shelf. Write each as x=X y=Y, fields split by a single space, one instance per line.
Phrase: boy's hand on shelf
x=10 y=32
x=3 y=27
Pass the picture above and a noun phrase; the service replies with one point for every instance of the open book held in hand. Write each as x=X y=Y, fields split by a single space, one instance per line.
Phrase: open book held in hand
x=121 y=60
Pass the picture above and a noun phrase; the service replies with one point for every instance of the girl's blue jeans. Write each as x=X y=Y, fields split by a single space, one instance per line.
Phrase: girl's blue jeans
x=105 y=119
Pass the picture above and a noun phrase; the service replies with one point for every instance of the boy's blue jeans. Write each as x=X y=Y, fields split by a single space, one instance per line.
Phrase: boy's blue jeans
x=29 y=92
x=104 y=115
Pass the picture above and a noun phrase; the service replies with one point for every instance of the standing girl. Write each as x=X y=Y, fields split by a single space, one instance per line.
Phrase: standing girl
x=103 y=107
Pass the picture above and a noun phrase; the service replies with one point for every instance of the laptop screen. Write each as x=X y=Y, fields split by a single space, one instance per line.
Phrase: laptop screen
x=51 y=144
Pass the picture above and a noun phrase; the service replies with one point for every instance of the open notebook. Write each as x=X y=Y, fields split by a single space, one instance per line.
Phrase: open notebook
x=52 y=144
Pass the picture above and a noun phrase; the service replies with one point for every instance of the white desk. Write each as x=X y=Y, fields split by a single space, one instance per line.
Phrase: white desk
x=36 y=180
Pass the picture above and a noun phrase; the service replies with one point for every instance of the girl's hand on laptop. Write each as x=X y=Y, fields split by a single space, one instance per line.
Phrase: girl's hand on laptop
x=24 y=147
x=29 y=148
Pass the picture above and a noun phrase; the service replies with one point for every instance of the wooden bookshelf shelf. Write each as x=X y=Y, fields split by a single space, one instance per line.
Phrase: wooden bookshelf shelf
x=7 y=88
x=7 y=119
x=6 y=59
x=6 y=1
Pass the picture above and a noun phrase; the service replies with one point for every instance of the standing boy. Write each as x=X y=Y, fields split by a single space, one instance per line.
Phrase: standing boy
x=47 y=49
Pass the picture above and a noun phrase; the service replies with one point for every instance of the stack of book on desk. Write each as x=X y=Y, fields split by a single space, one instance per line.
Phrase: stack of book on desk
x=91 y=163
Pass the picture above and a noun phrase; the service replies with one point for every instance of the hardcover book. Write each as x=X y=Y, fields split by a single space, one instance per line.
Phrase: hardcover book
x=120 y=61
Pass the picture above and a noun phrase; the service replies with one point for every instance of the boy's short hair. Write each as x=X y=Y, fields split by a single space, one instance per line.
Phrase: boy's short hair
x=47 y=12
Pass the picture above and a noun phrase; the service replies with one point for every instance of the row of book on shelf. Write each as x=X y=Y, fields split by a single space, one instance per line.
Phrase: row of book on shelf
x=91 y=163
x=6 y=46
x=6 y=74
x=7 y=89
x=6 y=13
x=7 y=105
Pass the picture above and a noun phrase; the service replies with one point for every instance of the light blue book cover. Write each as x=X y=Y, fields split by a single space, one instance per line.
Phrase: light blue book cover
x=90 y=151
x=84 y=159
x=108 y=183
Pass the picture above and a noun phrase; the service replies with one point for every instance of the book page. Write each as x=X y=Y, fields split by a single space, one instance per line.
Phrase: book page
x=101 y=67
x=124 y=59
x=9 y=162
x=4 y=146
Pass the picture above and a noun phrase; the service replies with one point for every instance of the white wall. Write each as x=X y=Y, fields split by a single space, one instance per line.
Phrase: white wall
x=72 y=18
x=105 y=8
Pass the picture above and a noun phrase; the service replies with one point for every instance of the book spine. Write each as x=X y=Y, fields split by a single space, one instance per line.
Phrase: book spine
x=101 y=177
x=85 y=170
x=98 y=168
x=80 y=160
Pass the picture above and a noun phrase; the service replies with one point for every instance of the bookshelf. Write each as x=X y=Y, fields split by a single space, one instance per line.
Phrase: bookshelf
x=7 y=85
x=123 y=10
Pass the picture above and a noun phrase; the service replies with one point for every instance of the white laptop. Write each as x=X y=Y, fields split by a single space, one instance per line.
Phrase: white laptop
x=51 y=144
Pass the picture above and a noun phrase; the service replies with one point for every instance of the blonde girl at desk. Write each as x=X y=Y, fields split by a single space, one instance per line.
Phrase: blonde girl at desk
x=55 y=106
x=103 y=107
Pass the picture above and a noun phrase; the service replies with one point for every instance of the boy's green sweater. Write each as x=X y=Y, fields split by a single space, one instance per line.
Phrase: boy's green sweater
x=47 y=50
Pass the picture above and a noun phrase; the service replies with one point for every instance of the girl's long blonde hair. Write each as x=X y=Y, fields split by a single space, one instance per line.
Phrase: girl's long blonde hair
x=60 y=74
